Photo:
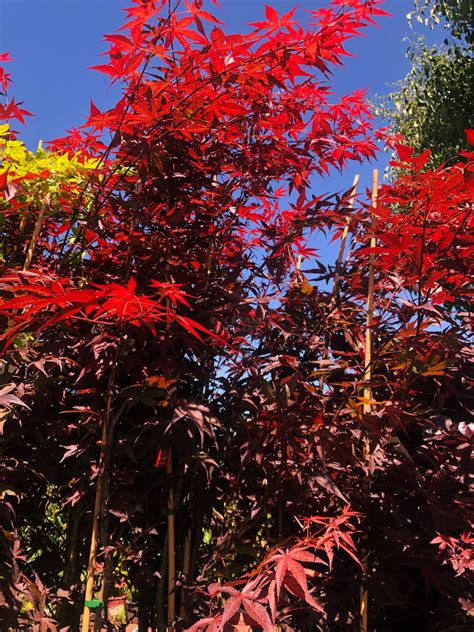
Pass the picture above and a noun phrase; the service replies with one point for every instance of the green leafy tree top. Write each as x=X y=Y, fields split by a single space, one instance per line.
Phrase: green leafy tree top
x=458 y=15
x=432 y=106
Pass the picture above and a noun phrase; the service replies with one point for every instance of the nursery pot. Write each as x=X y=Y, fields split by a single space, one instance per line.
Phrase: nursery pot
x=116 y=609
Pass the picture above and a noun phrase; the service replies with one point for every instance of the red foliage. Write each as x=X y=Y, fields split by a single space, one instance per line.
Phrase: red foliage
x=162 y=302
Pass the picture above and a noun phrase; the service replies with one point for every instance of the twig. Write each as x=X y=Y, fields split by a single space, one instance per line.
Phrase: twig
x=345 y=232
x=186 y=567
x=34 y=237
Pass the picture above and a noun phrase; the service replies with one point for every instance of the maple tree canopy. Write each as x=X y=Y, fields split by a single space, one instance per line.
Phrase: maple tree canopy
x=174 y=345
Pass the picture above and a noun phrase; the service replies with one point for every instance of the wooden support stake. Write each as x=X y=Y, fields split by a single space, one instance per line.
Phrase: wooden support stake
x=370 y=308
x=171 y=546
x=95 y=529
x=364 y=596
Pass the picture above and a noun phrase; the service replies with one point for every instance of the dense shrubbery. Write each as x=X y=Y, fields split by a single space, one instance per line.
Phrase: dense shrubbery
x=152 y=304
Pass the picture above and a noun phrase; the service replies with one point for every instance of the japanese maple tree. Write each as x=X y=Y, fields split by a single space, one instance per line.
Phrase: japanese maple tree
x=153 y=305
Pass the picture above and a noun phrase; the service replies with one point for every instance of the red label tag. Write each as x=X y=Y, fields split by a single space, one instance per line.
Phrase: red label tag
x=162 y=458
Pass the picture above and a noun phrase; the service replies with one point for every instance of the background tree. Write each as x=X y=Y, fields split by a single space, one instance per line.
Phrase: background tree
x=432 y=105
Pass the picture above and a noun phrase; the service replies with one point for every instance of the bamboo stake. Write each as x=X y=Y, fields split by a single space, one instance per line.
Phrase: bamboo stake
x=370 y=308
x=171 y=546
x=345 y=233
x=95 y=530
x=364 y=596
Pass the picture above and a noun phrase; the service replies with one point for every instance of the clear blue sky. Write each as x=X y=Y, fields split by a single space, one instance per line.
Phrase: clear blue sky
x=54 y=41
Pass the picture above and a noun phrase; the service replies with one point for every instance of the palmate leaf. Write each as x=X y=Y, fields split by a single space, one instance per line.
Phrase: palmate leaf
x=8 y=399
x=258 y=614
x=290 y=574
x=112 y=303
x=260 y=595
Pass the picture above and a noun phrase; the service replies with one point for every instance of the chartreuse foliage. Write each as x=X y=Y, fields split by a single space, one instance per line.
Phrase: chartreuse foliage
x=159 y=305
x=36 y=184
x=21 y=164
